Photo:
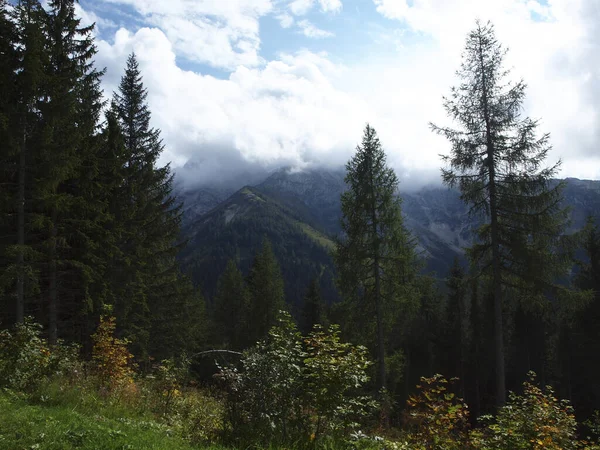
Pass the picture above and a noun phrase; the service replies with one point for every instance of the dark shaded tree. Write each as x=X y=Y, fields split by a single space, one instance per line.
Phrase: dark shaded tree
x=375 y=256
x=313 y=310
x=231 y=308
x=497 y=161
x=267 y=298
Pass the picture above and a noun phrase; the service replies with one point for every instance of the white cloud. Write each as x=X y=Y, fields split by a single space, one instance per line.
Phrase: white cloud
x=330 y=5
x=285 y=20
x=224 y=34
x=302 y=7
x=288 y=112
x=302 y=108
x=311 y=31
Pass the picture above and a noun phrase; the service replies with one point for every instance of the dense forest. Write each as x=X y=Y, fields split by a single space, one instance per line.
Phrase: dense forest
x=98 y=315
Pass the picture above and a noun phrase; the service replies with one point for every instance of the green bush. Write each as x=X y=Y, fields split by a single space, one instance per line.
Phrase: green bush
x=26 y=359
x=534 y=420
x=333 y=374
x=295 y=391
x=436 y=418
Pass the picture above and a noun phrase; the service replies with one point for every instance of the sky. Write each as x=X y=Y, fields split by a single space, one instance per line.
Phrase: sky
x=246 y=85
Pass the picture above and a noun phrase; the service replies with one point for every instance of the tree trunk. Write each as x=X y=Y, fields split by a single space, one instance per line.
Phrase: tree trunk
x=21 y=233
x=53 y=294
x=495 y=243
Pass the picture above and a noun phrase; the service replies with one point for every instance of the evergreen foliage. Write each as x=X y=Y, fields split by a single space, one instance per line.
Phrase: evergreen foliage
x=375 y=256
x=497 y=163
x=231 y=307
x=313 y=310
x=267 y=298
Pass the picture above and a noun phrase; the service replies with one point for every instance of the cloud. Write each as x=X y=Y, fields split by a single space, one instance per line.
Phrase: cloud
x=224 y=34
x=552 y=45
x=311 y=31
x=285 y=113
x=301 y=108
x=302 y=7
x=285 y=20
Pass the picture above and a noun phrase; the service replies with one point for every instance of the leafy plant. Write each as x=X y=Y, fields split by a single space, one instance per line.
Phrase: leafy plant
x=26 y=358
x=535 y=420
x=110 y=354
x=294 y=390
x=333 y=373
x=437 y=418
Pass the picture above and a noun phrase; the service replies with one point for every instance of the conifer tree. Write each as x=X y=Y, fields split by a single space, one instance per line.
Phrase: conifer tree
x=497 y=163
x=71 y=116
x=148 y=215
x=583 y=339
x=454 y=339
x=313 y=309
x=267 y=297
x=375 y=257
x=13 y=305
x=231 y=307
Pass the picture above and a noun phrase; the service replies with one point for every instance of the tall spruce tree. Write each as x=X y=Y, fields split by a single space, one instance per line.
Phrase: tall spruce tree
x=148 y=214
x=497 y=163
x=12 y=300
x=66 y=194
x=267 y=296
x=375 y=255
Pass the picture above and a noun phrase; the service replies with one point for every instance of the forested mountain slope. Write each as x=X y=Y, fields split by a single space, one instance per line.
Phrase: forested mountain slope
x=299 y=211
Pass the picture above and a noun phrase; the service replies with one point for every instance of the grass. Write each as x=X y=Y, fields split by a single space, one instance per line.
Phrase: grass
x=24 y=425
x=319 y=238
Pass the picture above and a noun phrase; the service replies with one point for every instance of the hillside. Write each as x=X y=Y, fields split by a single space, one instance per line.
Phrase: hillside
x=236 y=228
x=299 y=211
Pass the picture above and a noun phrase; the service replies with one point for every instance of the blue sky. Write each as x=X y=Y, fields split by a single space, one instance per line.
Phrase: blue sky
x=248 y=83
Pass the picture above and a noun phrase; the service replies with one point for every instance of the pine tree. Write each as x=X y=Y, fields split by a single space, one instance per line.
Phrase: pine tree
x=375 y=258
x=67 y=194
x=496 y=162
x=148 y=215
x=231 y=306
x=9 y=168
x=313 y=309
x=267 y=297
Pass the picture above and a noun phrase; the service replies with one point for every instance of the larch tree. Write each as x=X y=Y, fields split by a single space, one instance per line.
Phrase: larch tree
x=375 y=253
x=497 y=162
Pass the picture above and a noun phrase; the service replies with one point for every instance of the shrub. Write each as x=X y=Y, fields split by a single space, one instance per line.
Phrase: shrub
x=286 y=393
x=534 y=420
x=333 y=373
x=265 y=398
x=436 y=418
x=26 y=359
x=110 y=355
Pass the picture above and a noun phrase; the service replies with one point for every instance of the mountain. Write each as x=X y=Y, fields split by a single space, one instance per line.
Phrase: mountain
x=235 y=230
x=299 y=211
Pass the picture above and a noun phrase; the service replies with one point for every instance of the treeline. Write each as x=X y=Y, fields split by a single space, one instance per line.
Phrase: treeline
x=87 y=217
